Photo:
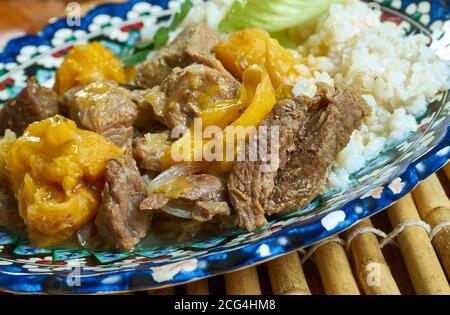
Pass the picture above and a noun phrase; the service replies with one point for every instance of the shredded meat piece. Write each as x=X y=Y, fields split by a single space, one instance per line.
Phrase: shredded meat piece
x=148 y=150
x=34 y=103
x=206 y=210
x=333 y=119
x=250 y=183
x=105 y=108
x=193 y=45
x=119 y=220
x=185 y=92
x=154 y=201
x=9 y=213
x=312 y=132
x=146 y=119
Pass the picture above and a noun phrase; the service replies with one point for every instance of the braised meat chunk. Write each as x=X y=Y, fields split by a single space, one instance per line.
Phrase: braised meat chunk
x=206 y=210
x=185 y=92
x=119 y=220
x=251 y=182
x=148 y=150
x=146 y=119
x=105 y=108
x=333 y=118
x=312 y=132
x=193 y=44
x=184 y=78
x=9 y=214
x=9 y=211
x=154 y=201
x=34 y=103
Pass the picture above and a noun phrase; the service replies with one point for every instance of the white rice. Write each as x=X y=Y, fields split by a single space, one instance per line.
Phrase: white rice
x=209 y=12
x=306 y=85
x=375 y=57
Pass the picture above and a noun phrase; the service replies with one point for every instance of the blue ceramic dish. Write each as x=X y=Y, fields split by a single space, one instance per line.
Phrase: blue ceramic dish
x=398 y=170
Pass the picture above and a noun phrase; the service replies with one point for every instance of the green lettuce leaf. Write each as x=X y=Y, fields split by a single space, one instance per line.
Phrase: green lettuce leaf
x=275 y=16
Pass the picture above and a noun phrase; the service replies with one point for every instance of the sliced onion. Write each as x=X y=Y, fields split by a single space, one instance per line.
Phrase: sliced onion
x=87 y=236
x=175 y=172
x=179 y=208
x=177 y=212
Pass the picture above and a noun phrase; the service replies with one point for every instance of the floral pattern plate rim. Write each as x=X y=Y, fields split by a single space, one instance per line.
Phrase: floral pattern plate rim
x=399 y=169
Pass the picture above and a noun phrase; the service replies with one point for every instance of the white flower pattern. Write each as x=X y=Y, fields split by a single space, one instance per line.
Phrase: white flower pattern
x=331 y=220
x=67 y=35
x=114 y=32
x=13 y=80
x=45 y=59
x=420 y=11
x=29 y=52
x=168 y=271
x=396 y=186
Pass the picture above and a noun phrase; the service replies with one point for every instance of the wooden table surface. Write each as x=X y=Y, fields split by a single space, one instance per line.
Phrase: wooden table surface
x=30 y=16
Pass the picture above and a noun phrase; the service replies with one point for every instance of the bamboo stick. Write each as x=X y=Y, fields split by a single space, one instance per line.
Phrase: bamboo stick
x=199 y=287
x=121 y=293
x=434 y=208
x=286 y=276
x=334 y=270
x=243 y=282
x=163 y=291
x=420 y=259
x=371 y=268
x=447 y=170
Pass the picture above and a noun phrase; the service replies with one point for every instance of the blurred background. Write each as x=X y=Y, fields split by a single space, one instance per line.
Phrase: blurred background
x=29 y=16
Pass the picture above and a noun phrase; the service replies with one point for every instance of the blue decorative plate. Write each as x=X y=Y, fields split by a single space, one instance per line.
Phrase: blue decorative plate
x=27 y=269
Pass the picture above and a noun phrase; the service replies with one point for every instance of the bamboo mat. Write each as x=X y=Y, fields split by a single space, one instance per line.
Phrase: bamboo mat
x=354 y=262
